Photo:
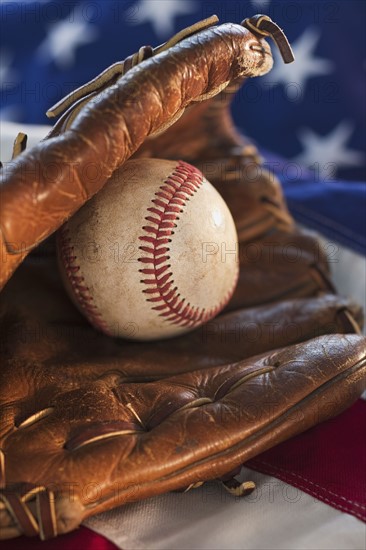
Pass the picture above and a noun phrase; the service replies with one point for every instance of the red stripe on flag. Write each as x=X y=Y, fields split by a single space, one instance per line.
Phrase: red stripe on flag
x=81 y=539
x=328 y=461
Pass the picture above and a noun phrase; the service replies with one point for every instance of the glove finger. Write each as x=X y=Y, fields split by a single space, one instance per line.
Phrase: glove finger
x=48 y=183
x=40 y=325
x=120 y=441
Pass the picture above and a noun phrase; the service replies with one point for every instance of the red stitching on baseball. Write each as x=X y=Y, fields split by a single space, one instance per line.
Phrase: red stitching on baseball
x=172 y=198
x=80 y=290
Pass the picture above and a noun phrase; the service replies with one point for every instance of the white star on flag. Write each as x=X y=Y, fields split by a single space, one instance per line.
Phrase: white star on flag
x=306 y=65
x=11 y=113
x=64 y=37
x=160 y=14
x=260 y=4
x=8 y=77
x=327 y=153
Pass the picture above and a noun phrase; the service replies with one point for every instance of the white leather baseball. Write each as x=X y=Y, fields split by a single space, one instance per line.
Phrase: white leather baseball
x=152 y=255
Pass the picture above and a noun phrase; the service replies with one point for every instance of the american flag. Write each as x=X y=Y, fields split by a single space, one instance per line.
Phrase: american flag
x=310 y=114
x=308 y=119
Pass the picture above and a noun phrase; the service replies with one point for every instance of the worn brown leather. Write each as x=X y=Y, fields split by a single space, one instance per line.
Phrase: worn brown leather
x=278 y=260
x=89 y=422
x=50 y=178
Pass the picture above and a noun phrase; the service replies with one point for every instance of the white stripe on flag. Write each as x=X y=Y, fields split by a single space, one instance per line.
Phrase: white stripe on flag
x=275 y=516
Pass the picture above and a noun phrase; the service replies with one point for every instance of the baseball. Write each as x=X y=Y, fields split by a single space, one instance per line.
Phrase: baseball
x=154 y=254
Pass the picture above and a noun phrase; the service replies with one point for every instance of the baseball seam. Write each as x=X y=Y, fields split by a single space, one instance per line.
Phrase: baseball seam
x=169 y=202
x=81 y=292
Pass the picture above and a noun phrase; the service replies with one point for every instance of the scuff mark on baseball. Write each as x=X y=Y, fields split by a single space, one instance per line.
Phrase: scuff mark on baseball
x=152 y=255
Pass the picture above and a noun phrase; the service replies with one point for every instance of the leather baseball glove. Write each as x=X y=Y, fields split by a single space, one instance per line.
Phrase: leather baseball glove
x=90 y=422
